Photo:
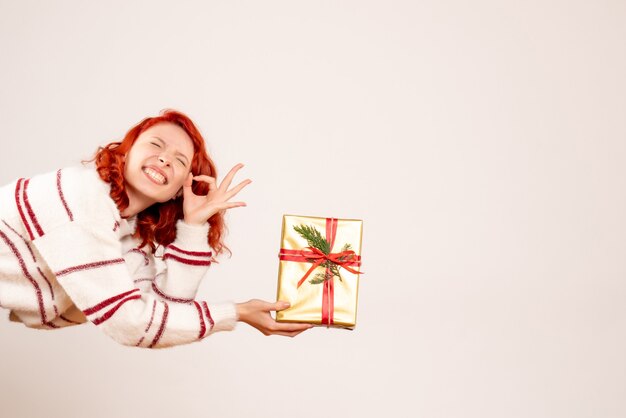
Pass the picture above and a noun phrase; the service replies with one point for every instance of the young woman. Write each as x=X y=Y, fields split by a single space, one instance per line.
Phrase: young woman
x=79 y=244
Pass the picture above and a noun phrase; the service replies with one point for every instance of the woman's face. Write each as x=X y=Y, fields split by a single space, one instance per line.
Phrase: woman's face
x=157 y=164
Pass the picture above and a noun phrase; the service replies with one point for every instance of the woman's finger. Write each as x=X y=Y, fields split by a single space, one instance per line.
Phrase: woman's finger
x=237 y=189
x=203 y=177
x=229 y=177
x=291 y=327
x=187 y=186
x=279 y=305
x=229 y=205
x=207 y=179
x=287 y=334
x=188 y=180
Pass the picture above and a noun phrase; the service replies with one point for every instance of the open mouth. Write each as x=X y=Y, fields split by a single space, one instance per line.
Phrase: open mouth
x=155 y=176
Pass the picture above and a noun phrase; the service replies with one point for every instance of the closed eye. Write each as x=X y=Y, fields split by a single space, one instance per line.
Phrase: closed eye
x=154 y=143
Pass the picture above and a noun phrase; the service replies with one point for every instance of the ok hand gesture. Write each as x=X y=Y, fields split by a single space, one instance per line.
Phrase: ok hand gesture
x=198 y=209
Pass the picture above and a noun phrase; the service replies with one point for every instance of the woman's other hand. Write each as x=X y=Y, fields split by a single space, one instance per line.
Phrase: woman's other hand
x=198 y=209
x=256 y=313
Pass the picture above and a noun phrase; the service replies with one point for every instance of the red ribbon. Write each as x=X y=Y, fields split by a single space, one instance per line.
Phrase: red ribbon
x=344 y=259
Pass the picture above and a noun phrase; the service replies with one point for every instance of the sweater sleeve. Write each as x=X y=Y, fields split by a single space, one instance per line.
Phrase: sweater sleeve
x=88 y=263
x=186 y=260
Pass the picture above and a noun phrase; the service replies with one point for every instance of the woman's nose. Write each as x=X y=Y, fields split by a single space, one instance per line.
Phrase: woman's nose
x=164 y=159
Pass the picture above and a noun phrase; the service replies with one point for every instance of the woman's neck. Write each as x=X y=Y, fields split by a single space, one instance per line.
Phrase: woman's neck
x=135 y=205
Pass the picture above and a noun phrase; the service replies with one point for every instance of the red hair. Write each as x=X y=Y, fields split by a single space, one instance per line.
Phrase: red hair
x=157 y=223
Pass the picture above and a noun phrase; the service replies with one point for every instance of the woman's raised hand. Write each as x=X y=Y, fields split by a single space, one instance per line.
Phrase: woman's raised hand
x=198 y=209
x=256 y=313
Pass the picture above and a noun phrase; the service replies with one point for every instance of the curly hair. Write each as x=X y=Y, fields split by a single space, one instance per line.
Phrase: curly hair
x=157 y=223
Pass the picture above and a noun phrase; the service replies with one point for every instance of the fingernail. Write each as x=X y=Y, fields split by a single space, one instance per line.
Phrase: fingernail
x=285 y=304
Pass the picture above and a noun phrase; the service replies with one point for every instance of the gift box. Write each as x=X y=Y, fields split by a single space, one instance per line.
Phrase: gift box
x=318 y=271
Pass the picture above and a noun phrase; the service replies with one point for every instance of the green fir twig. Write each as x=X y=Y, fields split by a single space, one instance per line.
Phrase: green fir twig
x=313 y=237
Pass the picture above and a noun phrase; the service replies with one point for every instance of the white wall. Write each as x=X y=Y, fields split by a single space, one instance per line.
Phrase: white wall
x=482 y=143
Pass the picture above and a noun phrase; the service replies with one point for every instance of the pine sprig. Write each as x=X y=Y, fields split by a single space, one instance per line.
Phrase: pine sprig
x=313 y=237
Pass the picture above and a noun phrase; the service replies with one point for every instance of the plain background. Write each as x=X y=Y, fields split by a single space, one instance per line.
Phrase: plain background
x=482 y=143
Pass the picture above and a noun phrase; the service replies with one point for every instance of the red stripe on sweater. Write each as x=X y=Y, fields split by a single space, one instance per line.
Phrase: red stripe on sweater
x=107 y=302
x=146 y=260
x=88 y=266
x=149 y=324
x=60 y=190
x=202 y=324
x=167 y=297
x=208 y=314
x=29 y=209
x=157 y=337
x=20 y=210
x=186 y=260
x=198 y=253
x=110 y=312
x=47 y=281
x=25 y=272
x=22 y=238
x=151 y=316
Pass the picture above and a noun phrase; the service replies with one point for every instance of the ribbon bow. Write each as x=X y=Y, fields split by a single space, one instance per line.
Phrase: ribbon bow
x=343 y=259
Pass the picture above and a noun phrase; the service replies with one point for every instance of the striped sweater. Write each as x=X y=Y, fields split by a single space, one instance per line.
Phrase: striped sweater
x=67 y=257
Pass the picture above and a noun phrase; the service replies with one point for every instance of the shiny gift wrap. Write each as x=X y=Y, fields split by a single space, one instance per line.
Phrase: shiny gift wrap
x=332 y=302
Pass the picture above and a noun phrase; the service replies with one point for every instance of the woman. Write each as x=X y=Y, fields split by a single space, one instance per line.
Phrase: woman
x=79 y=244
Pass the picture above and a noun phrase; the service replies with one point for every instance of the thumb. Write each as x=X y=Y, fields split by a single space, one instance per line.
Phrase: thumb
x=187 y=184
x=280 y=305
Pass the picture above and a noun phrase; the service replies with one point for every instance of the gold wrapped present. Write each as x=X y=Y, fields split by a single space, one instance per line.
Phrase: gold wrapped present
x=319 y=272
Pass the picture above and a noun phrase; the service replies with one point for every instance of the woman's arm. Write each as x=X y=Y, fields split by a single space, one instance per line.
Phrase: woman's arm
x=186 y=260
x=88 y=264
x=255 y=312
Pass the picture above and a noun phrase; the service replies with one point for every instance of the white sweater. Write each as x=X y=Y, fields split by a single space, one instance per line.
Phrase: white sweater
x=67 y=257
